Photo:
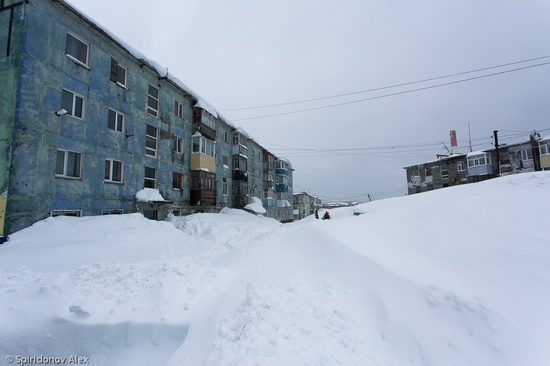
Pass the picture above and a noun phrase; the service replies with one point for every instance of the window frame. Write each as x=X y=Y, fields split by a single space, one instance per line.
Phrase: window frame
x=149 y=109
x=527 y=155
x=65 y=169
x=444 y=172
x=73 y=108
x=151 y=138
x=75 y=58
x=115 y=69
x=71 y=213
x=149 y=179
x=204 y=146
x=116 y=120
x=177 y=181
x=109 y=178
x=476 y=160
x=179 y=109
x=178 y=145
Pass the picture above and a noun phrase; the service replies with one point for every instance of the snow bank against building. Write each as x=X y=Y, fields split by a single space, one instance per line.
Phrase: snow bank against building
x=255 y=206
x=452 y=277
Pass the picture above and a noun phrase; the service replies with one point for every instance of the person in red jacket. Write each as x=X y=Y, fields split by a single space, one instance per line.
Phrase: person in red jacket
x=326 y=216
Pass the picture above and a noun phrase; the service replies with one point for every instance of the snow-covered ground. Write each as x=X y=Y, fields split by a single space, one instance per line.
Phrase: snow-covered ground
x=457 y=276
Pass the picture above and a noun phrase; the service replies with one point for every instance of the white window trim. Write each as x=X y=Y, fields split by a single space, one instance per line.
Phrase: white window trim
x=148 y=109
x=117 y=113
x=110 y=179
x=65 y=164
x=147 y=149
x=54 y=213
x=74 y=105
x=154 y=180
x=179 y=109
x=526 y=154
x=74 y=59
x=546 y=146
x=178 y=148
x=476 y=158
x=123 y=85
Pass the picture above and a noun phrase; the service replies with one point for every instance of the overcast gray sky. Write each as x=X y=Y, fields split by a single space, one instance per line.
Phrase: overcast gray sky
x=241 y=54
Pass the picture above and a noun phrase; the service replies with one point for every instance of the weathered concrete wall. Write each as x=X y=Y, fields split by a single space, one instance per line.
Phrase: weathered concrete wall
x=11 y=30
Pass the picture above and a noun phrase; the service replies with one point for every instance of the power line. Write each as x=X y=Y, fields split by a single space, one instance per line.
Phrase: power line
x=384 y=87
x=394 y=94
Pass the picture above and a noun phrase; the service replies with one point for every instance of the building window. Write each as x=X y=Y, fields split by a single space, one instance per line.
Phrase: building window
x=225 y=160
x=151 y=141
x=544 y=147
x=177 y=181
x=112 y=212
x=179 y=109
x=150 y=177
x=68 y=164
x=225 y=137
x=118 y=73
x=225 y=188
x=73 y=213
x=479 y=160
x=444 y=172
x=153 y=101
x=527 y=155
x=115 y=121
x=78 y=50
x=72 y=103
x=113 y=171
x=178 y=145
x=460 y=166
x=203 y=145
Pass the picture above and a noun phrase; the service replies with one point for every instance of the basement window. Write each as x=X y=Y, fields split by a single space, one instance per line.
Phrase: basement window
x=73 y=213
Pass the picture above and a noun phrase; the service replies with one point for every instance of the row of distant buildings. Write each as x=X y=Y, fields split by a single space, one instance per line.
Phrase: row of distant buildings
x=86 y=122
x=461 y=168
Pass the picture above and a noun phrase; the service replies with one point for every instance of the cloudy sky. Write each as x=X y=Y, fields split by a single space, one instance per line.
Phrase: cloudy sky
x=321 y=82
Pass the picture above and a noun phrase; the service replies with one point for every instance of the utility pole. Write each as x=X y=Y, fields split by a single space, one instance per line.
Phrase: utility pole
x=495 y=134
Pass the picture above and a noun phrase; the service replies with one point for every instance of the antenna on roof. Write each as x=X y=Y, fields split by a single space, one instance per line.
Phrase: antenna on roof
x=469 y=136
x=446 y=148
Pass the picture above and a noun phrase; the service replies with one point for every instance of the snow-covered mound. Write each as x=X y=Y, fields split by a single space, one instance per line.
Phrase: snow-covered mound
x=458 y=276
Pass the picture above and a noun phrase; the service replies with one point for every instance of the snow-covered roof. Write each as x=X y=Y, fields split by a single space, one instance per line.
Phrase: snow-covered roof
x=479 y=152
x=443 y=158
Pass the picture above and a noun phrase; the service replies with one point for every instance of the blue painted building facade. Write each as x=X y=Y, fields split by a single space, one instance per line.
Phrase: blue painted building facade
x=87 y=123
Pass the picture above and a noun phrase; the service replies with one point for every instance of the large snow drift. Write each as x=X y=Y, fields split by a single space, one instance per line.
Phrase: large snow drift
x=458 y=276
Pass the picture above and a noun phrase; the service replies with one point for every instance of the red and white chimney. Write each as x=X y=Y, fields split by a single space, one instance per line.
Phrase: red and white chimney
x=454 y=143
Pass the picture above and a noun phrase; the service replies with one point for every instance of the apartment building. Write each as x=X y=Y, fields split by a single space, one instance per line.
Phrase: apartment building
x=87 y=122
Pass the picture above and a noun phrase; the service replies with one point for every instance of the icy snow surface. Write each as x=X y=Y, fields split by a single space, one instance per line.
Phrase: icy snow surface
x=452 y=277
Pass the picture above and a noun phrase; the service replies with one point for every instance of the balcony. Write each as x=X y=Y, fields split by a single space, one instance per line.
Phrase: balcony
x=240 y=175
x=281 y=187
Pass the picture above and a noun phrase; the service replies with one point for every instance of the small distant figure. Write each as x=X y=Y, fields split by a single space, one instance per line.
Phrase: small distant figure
x=326 y=216
x=317 y=214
